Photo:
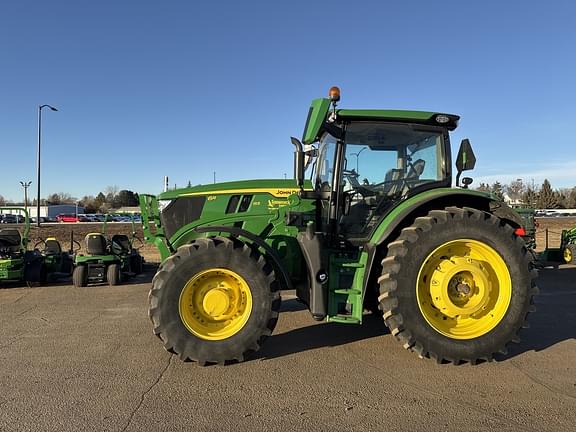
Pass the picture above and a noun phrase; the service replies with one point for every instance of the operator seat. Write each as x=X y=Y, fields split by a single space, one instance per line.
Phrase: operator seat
x=11 y=240
x=52 y=247
x=120 y=244
x=392 y=181
x=96 y=244
x=416 y=170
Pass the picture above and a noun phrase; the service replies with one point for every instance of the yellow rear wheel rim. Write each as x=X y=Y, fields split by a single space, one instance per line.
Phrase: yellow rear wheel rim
x=215 y=304
x=464 y=289
x=567 y=255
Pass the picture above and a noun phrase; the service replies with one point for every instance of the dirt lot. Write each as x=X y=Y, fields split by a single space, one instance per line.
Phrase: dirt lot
x=62 y=231
x=554 y=226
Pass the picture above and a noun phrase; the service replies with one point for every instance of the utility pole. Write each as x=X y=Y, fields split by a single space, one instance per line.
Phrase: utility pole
x=26 y=185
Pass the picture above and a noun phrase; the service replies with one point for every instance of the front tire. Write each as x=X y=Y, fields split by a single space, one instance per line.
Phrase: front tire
x=80 y=276
x=214 y=301
x=457 y=285
x=114 y=274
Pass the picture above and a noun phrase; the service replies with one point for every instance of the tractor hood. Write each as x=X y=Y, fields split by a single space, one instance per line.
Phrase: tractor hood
x=280 y=188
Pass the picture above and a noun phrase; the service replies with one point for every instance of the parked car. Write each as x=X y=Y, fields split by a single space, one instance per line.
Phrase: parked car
x=67 y=218
x=11 y=218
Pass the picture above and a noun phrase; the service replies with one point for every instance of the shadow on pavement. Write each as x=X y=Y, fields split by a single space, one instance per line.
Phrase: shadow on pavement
x=555 y=318
x=553 y=322
x=320 y=335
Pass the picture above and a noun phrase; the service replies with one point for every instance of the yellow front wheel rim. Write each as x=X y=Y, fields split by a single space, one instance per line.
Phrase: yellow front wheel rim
x=215 y=304
x=464 y=289
x=567 y=255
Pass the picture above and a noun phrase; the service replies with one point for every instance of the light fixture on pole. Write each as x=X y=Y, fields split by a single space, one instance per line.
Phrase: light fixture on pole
x=358 y=156
x=38 y=158
x=26 y=185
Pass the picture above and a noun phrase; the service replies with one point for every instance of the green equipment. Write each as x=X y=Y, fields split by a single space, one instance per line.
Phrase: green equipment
x=17 y=263
x=528 y=225
x=565 y=253
x=57 y=262
x=107 y=259
x=370 y=222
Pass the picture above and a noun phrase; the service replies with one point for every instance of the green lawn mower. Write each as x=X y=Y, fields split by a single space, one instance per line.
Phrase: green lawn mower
x=17 y=263
x=107 y=259
x=57 y=263
x=565 y=253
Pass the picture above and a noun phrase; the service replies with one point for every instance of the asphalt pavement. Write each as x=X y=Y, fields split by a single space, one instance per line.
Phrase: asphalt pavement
x=85 y=359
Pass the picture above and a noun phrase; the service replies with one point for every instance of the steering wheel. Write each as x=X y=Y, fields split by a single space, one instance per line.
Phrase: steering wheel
x=357 y=187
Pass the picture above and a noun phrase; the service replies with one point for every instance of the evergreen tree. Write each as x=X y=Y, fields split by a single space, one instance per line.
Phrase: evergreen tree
x=529 y=198
x=547 y=199
x=498 y=190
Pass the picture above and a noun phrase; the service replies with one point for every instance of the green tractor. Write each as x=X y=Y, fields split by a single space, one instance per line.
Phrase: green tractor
x=107 y=259
x=565 y=253
x=369 y=223
x=17 y=263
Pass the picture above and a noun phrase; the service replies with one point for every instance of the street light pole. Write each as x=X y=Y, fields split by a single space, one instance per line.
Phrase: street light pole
x=25 y=185
x=38 y=158
x=358 y=156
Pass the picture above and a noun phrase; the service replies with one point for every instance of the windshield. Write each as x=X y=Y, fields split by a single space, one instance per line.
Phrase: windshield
x=383 y=162
x=391 y=159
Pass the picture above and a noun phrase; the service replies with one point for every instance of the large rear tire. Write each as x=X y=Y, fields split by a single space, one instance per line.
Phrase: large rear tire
x=457 y=285
x=215 y=300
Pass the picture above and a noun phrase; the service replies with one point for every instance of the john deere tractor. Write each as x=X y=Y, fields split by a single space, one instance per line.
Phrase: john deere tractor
x=370 y=222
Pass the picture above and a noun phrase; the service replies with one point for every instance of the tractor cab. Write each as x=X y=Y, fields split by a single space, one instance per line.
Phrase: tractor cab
x=381 y=163
x=363 y=163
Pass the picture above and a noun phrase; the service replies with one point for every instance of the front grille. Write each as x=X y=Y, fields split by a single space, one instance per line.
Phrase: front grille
x=180 y=212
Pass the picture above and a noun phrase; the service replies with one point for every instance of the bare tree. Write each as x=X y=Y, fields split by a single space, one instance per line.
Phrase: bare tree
x=515 y=190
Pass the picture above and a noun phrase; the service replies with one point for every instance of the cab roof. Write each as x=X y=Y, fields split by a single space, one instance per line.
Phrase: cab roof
x=320 y=108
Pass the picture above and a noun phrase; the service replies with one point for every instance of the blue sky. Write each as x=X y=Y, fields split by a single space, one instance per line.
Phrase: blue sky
x=146 y=89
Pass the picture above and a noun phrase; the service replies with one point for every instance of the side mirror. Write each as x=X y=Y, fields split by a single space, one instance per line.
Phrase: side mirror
x=466 y=181
x=466 y=160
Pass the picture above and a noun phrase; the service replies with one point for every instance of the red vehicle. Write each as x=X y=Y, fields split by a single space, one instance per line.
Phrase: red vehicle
x=67 y=218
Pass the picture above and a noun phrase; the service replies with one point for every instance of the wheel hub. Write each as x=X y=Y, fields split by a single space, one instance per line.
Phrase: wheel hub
x=215 y=304
x=464 y=289
x=567 y=255
x=459 y=287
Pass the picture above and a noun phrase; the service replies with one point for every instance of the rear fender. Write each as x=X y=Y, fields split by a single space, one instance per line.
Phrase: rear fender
x=404 y=214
